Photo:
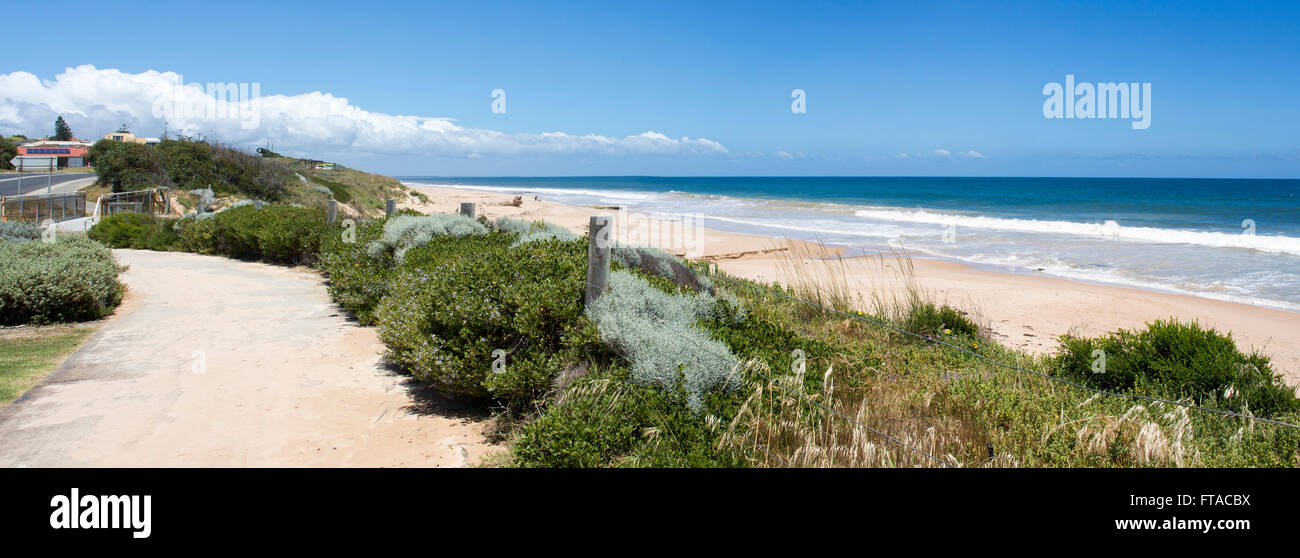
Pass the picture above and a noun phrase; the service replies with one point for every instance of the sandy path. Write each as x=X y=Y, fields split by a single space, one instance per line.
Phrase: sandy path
x=215 y=362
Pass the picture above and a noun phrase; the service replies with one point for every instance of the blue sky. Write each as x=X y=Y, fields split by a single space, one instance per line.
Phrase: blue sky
x=882 y=79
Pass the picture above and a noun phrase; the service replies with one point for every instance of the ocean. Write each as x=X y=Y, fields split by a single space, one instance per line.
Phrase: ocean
x=1228 y=239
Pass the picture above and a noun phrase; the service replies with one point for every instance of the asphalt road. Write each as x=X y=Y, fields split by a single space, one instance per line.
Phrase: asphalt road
x=35 y=183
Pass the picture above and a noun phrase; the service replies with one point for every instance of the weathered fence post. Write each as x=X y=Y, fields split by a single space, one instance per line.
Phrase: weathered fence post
x=390 y=207
x=598 y=244
x=467 y=209
x=334 y=210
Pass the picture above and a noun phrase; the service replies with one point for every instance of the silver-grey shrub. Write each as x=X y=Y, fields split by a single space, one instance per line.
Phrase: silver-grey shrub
x=18 y=231
x=404 y=232
x=72 y=279
x=656 y=261
x=533 y=231
x=657 y=334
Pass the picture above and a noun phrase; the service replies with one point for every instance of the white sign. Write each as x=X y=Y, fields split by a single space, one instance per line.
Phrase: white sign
x=30 y=163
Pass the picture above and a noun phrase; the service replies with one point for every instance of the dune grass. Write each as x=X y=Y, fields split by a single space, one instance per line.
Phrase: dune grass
x=944 y=407
x=27 y=354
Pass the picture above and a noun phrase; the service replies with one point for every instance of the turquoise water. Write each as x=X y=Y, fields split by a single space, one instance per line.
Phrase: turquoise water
x=1229 y=239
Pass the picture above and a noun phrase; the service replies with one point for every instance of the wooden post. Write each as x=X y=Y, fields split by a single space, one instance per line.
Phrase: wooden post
x=598 y=245
x=467 y=209
x=390 y=207
x=334 y=210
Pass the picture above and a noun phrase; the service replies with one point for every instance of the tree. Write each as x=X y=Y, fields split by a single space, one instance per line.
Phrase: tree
x=128 y=166
x=189 y=164
x=62 y=131
x=8 y=150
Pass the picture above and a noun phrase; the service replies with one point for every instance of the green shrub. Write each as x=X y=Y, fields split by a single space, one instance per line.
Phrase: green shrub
x=604 y=421
x=198 y=234
x=356 y=281
x=341 y=192
x=927 y=318
x=449 y=309
x=1176 y=360
x=135 y=230
x=127 y=166
x=275 y=233
x=19 y=231
x=248 y=174
x=189 y=164
x=72 y=279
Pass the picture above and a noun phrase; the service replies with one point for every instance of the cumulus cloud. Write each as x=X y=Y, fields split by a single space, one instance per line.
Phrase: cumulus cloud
x=973 y=154
x=96 y=101
x=942 y=153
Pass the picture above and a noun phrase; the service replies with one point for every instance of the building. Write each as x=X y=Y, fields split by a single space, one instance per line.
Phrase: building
x=68 y=153
x=128 y=137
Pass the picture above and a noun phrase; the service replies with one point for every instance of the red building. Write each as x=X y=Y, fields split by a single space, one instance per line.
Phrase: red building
x=70 y=153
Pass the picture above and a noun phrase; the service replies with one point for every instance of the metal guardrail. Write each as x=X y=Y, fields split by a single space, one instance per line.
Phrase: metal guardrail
x=40 y=207
x=153 y=201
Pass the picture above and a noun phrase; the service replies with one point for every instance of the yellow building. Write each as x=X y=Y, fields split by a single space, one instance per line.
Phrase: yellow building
x=130 y=138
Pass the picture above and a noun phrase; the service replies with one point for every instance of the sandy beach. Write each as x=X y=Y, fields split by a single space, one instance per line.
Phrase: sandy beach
x=1024 y=310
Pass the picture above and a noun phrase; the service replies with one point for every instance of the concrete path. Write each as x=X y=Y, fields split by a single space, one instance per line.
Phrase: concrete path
x=213 y=362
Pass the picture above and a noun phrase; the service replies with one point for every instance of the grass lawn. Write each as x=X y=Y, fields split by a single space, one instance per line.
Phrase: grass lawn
x=27 y=354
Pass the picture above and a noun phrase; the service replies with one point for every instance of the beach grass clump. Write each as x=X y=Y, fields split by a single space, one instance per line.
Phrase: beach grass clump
x=1173 y=359
x=473 y=316
x=656 y=332
x=937 y=320
x=71 y=279
x=18 y=231
x=404 y=232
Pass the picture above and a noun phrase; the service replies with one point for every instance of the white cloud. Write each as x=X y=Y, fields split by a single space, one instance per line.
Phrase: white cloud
x=901 y=156
x=783 y=155
x=942 y=152
x=973 y=154
x=95 y=102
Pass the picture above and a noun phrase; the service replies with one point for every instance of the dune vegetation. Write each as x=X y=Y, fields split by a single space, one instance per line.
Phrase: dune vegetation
x=191 y=167
x=679 y=365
